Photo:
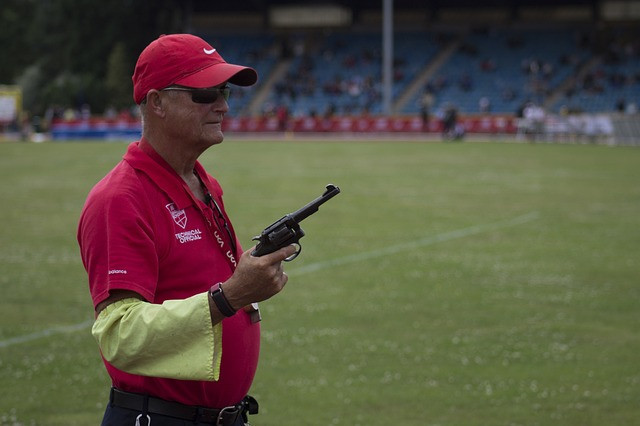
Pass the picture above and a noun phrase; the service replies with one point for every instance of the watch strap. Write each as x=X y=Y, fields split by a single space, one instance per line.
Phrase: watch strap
x=221 y=301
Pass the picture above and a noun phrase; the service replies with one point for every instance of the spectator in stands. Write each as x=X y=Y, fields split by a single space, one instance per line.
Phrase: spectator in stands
x=26 y=127
x=508 y=94
x=330 y=111
x=534 y=120
x=466 y=82
x=159 y=249
x=426 y=104
x=440 y=83
x=484 y=104
x=110 y=113
x=282 y=115
x=519 y=112
x=85 y=112
x=451 y=129
x=488 y=65
x=70 y=114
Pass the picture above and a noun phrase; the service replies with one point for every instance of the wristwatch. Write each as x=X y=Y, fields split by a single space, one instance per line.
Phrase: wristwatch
x=221 y=301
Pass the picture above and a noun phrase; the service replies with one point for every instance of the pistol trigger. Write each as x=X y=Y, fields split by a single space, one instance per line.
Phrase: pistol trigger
x=294 y=255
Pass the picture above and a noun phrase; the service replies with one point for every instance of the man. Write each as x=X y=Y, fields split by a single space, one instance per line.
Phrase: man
x=173 y=291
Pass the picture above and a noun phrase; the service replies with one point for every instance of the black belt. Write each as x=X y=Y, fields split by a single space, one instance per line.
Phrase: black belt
x=147 y=404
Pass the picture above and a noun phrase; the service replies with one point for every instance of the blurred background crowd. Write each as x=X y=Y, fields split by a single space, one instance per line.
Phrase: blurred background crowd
x=538 y=63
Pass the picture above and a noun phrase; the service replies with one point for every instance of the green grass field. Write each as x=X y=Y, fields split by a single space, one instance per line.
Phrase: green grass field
x=448 y=284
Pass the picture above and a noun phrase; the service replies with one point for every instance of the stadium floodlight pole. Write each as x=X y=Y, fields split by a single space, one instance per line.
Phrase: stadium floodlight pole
x=387 y=55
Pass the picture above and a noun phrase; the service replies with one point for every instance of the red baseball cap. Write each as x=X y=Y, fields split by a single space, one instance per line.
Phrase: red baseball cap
x=186 y=60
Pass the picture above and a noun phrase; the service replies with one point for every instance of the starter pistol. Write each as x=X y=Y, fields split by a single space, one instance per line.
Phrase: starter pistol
x=287 y=230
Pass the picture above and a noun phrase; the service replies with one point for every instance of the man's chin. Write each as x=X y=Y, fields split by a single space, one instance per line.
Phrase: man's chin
x=214 y=138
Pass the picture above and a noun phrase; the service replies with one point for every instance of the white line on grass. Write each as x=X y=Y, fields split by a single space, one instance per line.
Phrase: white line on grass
x=359 y=257
x=44 y=333
x=423 y=242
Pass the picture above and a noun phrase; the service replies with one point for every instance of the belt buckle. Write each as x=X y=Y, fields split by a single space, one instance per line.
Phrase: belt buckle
x=138 y=420
x=230 y=409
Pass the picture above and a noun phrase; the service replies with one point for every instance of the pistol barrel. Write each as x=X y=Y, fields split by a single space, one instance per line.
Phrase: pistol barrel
x=306 y=211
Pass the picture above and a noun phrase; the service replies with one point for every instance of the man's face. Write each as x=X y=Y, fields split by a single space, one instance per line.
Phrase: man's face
x=195 y=116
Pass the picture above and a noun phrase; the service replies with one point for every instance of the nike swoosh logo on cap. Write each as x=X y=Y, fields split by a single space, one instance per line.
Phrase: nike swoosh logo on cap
x=208 y=52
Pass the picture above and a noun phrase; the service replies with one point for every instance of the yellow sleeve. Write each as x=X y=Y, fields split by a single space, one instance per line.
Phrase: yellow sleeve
x=174 y=340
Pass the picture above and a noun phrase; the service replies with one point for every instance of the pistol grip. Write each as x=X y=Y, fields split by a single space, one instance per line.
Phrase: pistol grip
x=261 y=248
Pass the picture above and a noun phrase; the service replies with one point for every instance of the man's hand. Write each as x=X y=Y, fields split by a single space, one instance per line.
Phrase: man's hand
x=257 y=278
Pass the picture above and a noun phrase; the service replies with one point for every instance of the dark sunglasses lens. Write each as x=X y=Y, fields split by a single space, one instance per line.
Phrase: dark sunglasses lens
x=209 y=96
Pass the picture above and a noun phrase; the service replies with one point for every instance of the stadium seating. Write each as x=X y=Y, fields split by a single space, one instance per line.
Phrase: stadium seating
x=508 y=67
x=613 y=86
x=342 y=72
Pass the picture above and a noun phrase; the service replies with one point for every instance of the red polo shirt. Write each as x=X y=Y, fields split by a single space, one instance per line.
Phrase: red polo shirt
x=142 y=229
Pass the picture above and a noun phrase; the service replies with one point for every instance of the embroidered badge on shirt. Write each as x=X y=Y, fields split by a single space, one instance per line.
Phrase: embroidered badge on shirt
x=179 y=216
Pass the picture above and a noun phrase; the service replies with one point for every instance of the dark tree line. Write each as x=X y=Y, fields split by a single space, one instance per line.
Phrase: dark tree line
x=74 y=52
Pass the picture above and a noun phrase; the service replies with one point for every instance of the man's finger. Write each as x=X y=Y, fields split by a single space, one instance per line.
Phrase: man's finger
x=286 y=252
x=278 y=255
x=289 y=250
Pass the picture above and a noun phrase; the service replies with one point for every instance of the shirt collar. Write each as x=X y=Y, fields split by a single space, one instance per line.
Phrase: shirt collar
x=153 y=165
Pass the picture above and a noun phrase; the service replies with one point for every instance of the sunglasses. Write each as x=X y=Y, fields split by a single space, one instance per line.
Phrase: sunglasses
x=203 y=96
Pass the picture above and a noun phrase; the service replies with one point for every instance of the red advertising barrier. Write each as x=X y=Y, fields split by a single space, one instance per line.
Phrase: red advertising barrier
x=471 y=124
x=99 y=127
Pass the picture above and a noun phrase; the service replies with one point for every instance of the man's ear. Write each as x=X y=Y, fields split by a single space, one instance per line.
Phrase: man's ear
x=154 y=103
